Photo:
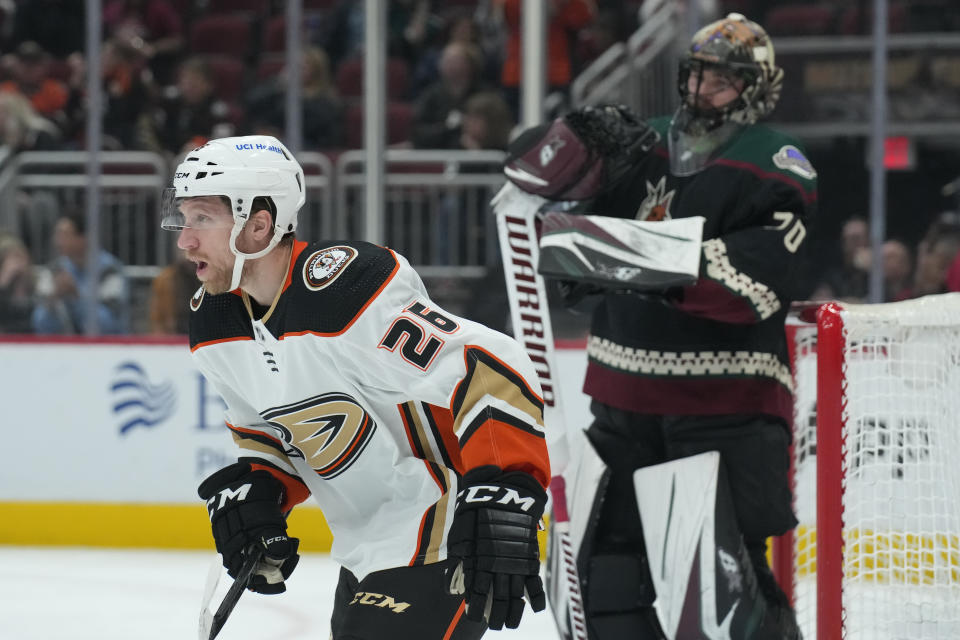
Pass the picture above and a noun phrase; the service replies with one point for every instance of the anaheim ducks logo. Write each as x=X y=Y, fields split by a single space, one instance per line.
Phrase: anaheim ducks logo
x=326 y=265
x=656 y=206
x=197 y=298
x=328 y=431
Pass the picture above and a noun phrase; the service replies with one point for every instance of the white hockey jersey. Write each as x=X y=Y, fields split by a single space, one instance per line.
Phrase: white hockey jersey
x=355 y=388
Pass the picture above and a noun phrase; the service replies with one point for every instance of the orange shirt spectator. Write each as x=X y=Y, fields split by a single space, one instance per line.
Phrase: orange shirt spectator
x=48 y=99
x=31 y=78
x=565 y=16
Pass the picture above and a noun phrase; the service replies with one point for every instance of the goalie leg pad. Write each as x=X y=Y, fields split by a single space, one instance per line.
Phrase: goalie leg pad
x=706 y=585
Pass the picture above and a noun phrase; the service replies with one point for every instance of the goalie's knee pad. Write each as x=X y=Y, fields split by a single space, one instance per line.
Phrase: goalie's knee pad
x=619 y=598
x=618 y=582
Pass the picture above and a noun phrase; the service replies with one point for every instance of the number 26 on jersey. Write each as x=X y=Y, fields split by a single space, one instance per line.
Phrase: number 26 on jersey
x=413 y=334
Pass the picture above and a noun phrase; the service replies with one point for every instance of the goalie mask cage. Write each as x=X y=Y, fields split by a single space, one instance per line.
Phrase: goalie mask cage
x=876 y=464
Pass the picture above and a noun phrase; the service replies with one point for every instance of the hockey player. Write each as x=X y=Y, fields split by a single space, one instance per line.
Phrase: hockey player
x=418 y=433
x=693 y=369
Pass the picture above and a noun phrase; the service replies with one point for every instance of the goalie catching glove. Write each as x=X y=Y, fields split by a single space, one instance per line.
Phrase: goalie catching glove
x=244 y=507
x=580 y=155
x=494 y=536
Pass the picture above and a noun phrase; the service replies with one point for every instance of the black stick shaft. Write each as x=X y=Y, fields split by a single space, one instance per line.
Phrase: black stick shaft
x=236 y=590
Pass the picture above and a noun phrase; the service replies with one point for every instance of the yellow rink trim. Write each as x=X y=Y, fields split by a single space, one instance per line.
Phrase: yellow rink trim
x=158 y=526
x=887 y=557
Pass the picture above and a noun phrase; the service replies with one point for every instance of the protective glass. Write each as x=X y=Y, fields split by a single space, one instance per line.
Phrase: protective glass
x=214 y=216
x=692 y=146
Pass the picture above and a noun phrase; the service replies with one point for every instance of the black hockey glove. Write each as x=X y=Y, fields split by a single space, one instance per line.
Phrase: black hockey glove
x=244 y=508
x=494 y=535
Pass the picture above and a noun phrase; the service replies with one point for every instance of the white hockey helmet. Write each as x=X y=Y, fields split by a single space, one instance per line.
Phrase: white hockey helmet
x=240 y=169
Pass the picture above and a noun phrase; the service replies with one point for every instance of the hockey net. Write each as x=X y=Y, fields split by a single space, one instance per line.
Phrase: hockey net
x=877 y=472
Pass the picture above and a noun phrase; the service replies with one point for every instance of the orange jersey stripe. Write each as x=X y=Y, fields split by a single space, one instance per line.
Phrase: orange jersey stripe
x=443 y=419
x=254 y=432
x=295 y=491
x=213 y=342
x=456 y=619
x=510 y=448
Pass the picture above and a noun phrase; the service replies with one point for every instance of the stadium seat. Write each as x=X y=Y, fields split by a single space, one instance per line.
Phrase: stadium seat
x=800 y=20
x=227 y=34
x=228 y=76
x=274 y=35
x=350 y=78
x=270 y=64
x=257 y=7
x=853 y=22
x=399 y=116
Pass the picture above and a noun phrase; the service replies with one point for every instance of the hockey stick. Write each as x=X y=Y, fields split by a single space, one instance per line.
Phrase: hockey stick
x=530 y=316
x=211 y=624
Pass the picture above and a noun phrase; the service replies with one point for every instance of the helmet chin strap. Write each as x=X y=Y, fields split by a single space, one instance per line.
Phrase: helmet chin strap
x=240 y=257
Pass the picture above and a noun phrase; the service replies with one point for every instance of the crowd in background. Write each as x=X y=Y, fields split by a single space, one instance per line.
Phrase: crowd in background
x=178 y=72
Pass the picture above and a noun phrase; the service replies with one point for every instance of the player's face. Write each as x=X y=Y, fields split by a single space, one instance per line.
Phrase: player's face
x=713 y=89
x=205 y=241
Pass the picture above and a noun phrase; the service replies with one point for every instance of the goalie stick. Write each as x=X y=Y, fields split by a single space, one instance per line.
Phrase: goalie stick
x=211 y=624
x=515 y=212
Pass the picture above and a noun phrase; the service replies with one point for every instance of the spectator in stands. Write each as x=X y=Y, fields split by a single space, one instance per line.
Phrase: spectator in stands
x=566 y=18
x=169 y=293
x=189 y=114
x=936 y=252
x=31 y=79
x=56 y=25
x=17 y=286
x=492 y=34
x=850 y=280
x=323 y=111
x=64 y=286
x=22 y=128
x=439 y=109
x=411 y=24
x=128 y=92
x=612 y=24
x=460 y=27
x=897 y=270
x=153 y=27
x=487 y=122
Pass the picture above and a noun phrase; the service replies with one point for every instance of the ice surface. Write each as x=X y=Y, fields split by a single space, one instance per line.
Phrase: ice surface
x=101 y=594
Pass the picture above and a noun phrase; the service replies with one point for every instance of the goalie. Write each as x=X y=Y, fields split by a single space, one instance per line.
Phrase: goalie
x=678 y=368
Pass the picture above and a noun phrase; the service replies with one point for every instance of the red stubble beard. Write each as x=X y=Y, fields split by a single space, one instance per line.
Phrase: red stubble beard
x=214 y=276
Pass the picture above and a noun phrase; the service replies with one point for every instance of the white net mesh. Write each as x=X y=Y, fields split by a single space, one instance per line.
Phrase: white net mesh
x=901 y=464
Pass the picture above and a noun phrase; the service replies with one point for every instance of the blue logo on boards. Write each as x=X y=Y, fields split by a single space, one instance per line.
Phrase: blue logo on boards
x=136 y=401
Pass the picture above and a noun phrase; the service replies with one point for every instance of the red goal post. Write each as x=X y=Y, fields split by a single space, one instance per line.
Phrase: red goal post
x=876 y=467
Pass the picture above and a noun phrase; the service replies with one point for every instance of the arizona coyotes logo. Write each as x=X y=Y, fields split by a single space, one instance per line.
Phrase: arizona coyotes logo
x=656 y=206
x=326 y=265
x=197 y=299
x=328 y=431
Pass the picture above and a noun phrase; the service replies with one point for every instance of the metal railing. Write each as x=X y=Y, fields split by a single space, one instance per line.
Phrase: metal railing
x=436 y=207
x=36 y=186
x=641 y=73
x=436 y=214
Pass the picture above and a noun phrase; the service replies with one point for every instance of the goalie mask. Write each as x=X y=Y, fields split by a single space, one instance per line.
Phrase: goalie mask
x=734 y=52
x=239 y=169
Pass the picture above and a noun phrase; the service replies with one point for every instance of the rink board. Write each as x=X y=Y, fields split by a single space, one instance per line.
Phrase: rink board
x=107 y=440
